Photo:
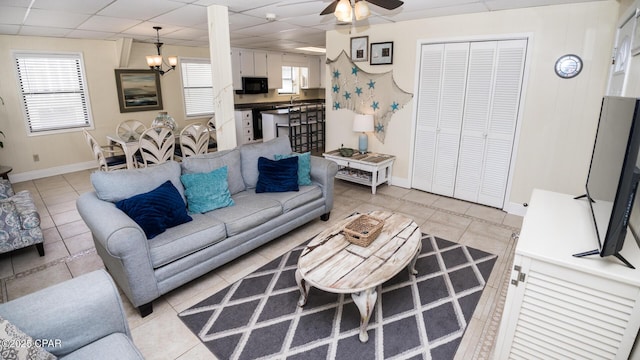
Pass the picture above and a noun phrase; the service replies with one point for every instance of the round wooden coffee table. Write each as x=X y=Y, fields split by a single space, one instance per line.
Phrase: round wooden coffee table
x=331 y=263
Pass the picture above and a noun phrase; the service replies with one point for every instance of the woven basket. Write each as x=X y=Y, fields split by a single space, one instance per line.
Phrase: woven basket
x=363 y=230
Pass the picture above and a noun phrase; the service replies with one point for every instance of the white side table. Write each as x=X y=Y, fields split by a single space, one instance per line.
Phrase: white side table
x=370 y=169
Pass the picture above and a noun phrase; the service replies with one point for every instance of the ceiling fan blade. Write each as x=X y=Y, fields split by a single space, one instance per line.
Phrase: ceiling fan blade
x=387 y=4
x=330 y=9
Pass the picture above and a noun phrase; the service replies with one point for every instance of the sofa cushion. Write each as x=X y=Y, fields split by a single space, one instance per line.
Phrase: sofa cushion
x=156 y=210
x=293 y=199
x=210 y=161
x=181 y=241
x=118 y=185
x=207 y=191
x=113 y=346
x=248 y=212
x=15 y=344
x=304 y=166
x=277 y=175
x=250 y=154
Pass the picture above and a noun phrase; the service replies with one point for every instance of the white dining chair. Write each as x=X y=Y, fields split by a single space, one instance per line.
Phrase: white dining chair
x=104 y=155
x=130 y=130
x=157 y=145
x=194 y=140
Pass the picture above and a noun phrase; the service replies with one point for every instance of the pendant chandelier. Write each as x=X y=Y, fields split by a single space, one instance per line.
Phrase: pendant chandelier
x=156 y=62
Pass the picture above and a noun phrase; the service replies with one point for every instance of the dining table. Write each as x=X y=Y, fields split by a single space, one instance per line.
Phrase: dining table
x=129 y=145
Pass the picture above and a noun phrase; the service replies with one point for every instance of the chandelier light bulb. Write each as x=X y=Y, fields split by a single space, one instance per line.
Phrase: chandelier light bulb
x=343 y=11
x=362 y=10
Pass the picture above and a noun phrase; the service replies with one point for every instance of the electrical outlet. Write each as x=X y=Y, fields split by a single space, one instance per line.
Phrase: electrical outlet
x=36 y=157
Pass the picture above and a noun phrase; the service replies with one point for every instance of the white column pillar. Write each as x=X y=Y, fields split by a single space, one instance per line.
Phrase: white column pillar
x=220 y=53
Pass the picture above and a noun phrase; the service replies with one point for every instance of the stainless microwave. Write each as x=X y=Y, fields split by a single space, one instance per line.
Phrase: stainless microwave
x=254 y=85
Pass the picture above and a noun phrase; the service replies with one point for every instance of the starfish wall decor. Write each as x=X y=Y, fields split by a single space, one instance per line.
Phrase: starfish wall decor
x=366 y=93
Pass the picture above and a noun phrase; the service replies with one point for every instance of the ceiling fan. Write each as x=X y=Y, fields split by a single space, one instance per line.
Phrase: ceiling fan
x=342 y=8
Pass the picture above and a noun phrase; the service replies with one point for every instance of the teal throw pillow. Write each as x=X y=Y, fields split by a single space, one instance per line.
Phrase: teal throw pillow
x=304 y=166
x=156 y=210
x=277 y=175
x=207 y=191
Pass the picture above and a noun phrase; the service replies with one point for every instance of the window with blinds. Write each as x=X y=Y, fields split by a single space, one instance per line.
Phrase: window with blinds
x=54 y=91
x=197 y=85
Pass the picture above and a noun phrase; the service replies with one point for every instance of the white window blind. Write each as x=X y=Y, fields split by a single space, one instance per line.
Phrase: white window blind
x=197 y=85
x=54 y=92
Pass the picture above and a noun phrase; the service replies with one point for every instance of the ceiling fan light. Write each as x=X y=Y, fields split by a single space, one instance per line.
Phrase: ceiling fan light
x=343 y=11
x=362 y=10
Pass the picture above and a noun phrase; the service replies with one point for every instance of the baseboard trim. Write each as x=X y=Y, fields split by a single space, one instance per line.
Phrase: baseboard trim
x=58 y=170
x=400 y=182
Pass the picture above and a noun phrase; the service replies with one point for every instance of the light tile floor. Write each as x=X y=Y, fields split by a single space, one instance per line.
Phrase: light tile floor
x=161 y=335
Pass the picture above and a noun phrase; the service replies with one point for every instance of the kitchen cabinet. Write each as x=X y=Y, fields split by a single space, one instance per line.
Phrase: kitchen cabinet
x=562 y=307
x=274 y=70
x=244 y=127
x=314 y=72
x=247 y=63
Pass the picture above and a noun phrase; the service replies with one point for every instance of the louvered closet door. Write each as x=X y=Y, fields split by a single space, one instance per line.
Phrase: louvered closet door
x=441 y=98
x=491 y=112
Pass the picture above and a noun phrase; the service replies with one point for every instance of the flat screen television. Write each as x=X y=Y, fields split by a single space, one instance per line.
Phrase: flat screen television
x=613 y=174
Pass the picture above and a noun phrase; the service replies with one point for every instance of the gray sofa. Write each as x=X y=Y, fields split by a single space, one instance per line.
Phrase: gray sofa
x=81 y=318
x=146 y=269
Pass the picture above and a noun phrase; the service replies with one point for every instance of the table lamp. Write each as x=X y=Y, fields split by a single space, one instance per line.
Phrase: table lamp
x=363 y=123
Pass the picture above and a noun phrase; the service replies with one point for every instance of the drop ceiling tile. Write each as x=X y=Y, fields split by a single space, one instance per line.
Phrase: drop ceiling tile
x=108 y=23
x=78 y=6
x=43 y=31
x=9 y=29
x=267 y=28
x=187 y=34
x=186 y=15
x=146 y=29
x=513 y=4
x=237 y=5
x=87 y=34
x=139 y=9
x=18 y=3
x=12 y=15
x=55 y=18
x=285 y=10
x=240 y=21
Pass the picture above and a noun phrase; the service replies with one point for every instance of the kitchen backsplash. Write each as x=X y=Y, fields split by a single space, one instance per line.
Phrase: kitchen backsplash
x=273 y=96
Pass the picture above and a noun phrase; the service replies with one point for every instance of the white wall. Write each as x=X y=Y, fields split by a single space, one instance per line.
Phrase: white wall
x=559 y=115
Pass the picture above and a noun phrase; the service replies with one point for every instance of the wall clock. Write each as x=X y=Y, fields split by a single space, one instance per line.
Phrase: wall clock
x=568 y=66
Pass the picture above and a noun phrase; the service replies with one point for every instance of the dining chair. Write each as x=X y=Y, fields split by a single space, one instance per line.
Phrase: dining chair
x=104 y=155
x=130 y=130
x=194 y=140
x=213 y=140
x=157 y=145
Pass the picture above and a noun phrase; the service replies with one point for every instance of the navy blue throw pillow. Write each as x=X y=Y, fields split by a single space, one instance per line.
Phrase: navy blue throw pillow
x=156 y=210
x=277 y=176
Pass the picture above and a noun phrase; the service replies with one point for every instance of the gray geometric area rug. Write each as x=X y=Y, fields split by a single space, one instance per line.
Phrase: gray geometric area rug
x=422 y=317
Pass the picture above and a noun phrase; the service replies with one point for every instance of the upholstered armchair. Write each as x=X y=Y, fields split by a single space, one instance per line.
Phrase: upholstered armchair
x=19 y=220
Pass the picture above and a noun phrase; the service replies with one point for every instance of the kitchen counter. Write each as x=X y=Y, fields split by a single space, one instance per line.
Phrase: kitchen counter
x=276 y=104
x=286 y=109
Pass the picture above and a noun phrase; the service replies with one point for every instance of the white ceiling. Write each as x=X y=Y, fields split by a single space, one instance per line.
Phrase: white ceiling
x=184 y=22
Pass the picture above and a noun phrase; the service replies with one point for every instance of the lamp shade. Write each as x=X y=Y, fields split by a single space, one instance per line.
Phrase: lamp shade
x=361 y=10
x=363 y=123
x=343 y=11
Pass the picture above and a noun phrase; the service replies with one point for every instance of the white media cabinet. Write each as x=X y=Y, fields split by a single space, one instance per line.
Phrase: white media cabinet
x=562 y=307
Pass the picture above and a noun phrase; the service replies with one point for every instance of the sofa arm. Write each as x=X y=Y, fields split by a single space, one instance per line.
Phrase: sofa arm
x=123 y=247
x=71 y=314
x=323 y=172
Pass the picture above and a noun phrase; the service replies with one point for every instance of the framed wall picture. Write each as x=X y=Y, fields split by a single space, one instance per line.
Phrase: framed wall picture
x=138 y=90
x=360 y=48
x=382 y=53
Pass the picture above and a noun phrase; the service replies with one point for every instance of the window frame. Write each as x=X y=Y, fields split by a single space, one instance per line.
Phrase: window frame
x=89 y=123
x=200 y=60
